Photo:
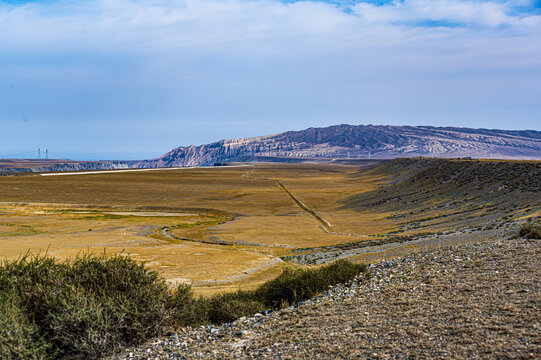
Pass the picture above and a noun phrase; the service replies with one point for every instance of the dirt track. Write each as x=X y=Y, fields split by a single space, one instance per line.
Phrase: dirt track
x=325 y=225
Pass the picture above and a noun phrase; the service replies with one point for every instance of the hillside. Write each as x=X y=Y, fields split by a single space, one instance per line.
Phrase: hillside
x=361 y=141
x=431 y=202
x=476 y=301
x=447 y=183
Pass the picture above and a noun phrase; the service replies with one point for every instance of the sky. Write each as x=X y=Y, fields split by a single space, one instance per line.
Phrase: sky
x=132 y=79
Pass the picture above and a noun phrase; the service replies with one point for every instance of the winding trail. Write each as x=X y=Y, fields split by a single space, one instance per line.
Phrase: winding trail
x=166 y=231
x=273 y=260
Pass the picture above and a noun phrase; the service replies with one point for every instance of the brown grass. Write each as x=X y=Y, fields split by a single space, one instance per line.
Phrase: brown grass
x=266 y=221
x=241 y=206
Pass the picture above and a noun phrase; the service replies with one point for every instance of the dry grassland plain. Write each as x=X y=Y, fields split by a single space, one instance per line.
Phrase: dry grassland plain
x=219 y=229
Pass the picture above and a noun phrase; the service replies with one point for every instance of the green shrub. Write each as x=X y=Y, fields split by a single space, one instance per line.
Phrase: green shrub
x=140 y=294
x=530 y=231
x=80 y=326
x=187 y=310
x=90 y=307
x=19 y=337
x=228 y=307
x=297 y=285
x=95 y=305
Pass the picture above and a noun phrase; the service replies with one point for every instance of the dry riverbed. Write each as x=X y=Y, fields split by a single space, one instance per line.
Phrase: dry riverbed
x=480 y=300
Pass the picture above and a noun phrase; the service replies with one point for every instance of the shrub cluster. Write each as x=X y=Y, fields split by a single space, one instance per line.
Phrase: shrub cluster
x=530 y=231
x=81 y=309
x=95 y=305
x=297 y=285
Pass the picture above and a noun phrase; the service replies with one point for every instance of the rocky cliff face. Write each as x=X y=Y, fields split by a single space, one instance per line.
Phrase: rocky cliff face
x=348 y=141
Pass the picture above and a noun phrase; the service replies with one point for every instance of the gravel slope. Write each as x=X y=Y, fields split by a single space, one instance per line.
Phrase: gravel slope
x=471 y=301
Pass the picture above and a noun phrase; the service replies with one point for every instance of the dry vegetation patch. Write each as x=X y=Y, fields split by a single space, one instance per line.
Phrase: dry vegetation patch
x=227 y=227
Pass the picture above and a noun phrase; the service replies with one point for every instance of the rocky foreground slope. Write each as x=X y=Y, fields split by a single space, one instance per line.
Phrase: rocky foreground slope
x=361 y=141
x=481 y=300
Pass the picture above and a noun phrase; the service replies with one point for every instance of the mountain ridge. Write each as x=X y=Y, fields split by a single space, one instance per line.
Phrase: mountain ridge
x=321 y=144
x=361 y=141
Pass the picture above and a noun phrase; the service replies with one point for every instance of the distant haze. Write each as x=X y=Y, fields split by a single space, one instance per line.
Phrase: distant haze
x=132 y=79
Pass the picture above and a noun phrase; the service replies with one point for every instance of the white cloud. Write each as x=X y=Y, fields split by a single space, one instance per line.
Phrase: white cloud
x=266 y=59
x=372 y=37
x=157 y=23
x=151 y=24
x=459 y=12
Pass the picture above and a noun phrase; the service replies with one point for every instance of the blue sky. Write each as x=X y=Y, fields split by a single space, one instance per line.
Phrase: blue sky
x=126 y=79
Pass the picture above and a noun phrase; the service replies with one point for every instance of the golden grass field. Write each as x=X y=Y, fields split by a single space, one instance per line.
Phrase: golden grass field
x=127 y=212
x=220 y=228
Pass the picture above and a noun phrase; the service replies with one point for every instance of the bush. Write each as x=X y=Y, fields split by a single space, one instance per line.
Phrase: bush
x=187 y=310
x=19 y=337
x=95 y=305
x=90 y=307
x=530 y=231
x=141 y=295
x=297 y=285
x=78 y=325
x=228 y=307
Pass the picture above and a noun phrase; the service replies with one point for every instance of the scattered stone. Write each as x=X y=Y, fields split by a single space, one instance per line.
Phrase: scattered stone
x=424 y=305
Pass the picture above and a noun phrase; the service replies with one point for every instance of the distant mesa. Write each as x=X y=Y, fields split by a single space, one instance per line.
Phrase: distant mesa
x=359 y=142
x=344 y=142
